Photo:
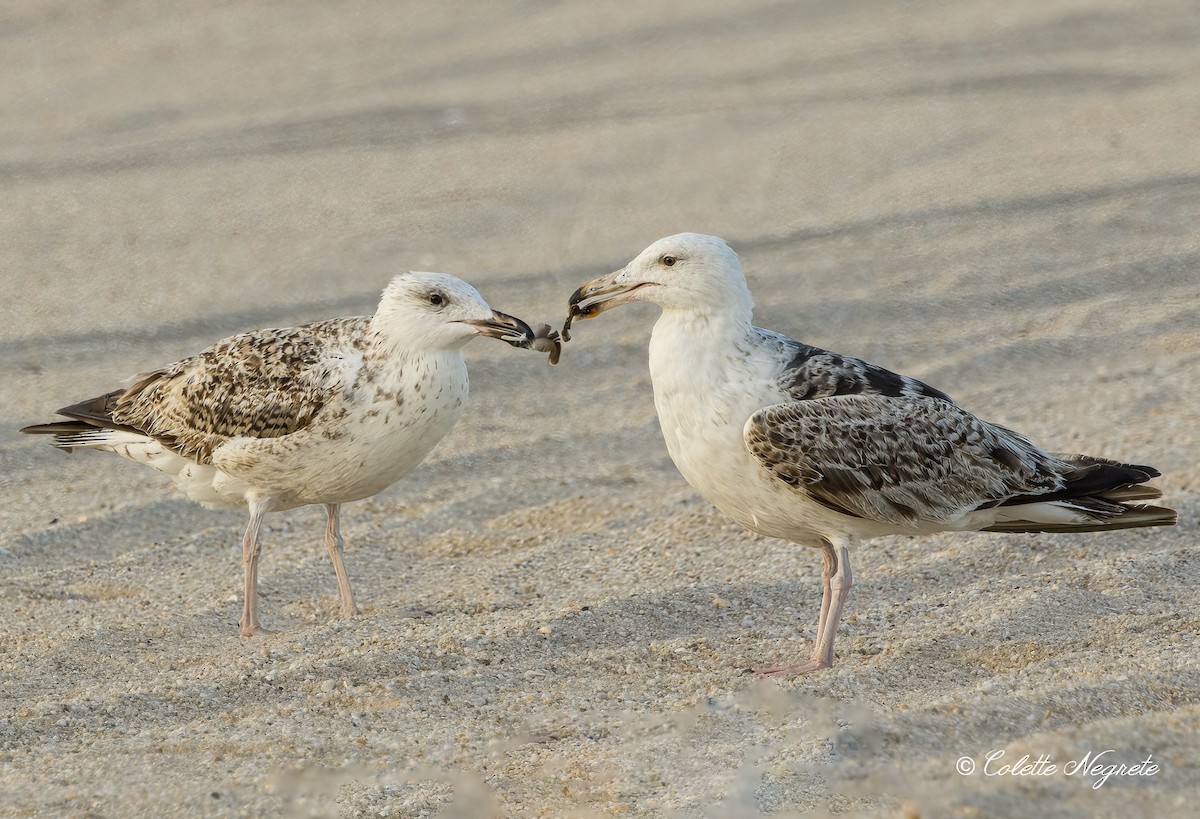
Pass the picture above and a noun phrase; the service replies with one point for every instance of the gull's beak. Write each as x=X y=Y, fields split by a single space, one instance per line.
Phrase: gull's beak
x=597 y=296
x=601 y=294
x=504 y=327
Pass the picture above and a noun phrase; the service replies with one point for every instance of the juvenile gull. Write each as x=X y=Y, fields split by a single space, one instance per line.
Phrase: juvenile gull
x=822 y=449
x=329 y=412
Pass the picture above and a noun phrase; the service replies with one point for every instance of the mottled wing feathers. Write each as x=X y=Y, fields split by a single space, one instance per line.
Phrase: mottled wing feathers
x=263 y=384
x=897 y=460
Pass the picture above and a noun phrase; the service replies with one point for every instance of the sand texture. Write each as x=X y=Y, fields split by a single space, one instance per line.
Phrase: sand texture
x=1001 y=199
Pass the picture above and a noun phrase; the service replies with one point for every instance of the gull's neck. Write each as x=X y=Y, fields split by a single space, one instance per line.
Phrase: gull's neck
x=433 y=376
x=692 y=350
x=396 y=340
x=700 y=365
x=713 y=329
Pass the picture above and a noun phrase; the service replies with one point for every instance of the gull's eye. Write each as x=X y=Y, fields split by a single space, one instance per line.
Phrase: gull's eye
x=669 y=261
x=437 y=299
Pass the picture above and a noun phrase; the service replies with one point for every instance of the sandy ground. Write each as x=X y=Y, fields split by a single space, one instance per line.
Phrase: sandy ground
x=1001 y=199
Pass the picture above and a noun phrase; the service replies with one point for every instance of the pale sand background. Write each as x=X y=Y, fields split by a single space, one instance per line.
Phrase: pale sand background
x=1003 y=199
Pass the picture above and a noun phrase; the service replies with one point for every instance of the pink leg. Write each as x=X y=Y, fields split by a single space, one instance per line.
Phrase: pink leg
x=334 y=545
x=829 y=564
x=836 y=580
x=251 y=549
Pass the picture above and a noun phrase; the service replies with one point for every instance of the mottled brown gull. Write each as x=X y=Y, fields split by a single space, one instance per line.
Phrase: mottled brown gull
x=328 y=413
x=822 y=449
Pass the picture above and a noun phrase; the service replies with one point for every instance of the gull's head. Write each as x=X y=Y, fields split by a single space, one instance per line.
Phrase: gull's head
x=437 y=311
x=687 y=271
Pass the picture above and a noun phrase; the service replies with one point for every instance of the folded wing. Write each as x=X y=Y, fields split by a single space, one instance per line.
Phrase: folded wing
x=909 y=460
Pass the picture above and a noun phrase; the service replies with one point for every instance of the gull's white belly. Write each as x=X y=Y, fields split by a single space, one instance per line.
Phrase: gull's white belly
x=353 y=458
x=712 y=457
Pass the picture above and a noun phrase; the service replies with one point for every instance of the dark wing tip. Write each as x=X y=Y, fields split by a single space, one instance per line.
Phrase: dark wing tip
x=1094 y=477
x=96 y=410
x=57 y=428
x=89 y=414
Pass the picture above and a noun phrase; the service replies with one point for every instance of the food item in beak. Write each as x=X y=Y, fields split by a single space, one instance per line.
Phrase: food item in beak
x=576 y=312
x=546 y=340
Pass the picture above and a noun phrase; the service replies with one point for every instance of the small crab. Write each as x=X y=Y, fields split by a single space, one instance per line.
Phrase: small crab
x=546 y=340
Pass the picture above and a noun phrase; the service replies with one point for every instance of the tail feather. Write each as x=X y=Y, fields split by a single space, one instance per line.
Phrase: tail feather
x=57 y=428
x=70 y=435
x=91 y=424
x=1131 y=518
x=1097 y=496
x=67 y=434
x=1123 y=494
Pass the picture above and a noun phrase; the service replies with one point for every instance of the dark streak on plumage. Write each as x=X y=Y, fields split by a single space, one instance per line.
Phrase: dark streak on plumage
x=813 y=373
x=885 y=382
x=1005 y=457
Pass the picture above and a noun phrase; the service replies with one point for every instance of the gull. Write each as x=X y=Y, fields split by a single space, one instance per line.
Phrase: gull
x=324 y=413
x=823 y=450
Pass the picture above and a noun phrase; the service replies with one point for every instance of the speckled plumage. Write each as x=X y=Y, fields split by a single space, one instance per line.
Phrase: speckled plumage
x=262 y=384
x=328 y=412
x=822 y=449
x=901 y=462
